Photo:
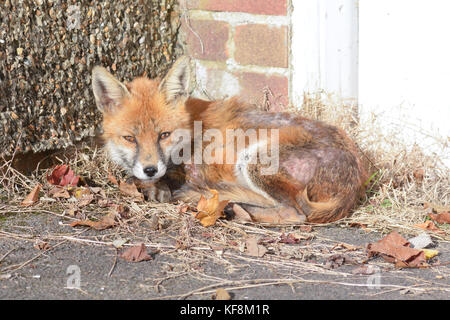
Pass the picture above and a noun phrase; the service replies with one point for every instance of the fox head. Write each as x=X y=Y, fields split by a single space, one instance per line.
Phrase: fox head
x=139 y=118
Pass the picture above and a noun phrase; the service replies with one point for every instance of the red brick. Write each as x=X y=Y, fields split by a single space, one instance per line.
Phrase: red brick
x=214 y=36
x=268 y=7
x=254 y=85
x=262 y=45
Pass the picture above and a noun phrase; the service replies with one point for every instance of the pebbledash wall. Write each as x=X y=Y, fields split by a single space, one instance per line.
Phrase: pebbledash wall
x=240 y=47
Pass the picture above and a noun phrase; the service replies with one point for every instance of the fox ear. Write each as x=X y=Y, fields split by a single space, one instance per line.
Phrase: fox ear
x=108 y=91
x=176 y=83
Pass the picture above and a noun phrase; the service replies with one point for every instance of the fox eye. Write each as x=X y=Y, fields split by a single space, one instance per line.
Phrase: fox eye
x=164 y=135
x=130 y=139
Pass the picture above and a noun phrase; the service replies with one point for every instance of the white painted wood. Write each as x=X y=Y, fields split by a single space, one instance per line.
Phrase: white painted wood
x=305 y=49
x=404 y=73
x=325 y=48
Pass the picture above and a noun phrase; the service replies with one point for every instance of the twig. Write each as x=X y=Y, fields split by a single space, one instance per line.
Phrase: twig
x=6 y=254
x=19 y=266
x=114 y=264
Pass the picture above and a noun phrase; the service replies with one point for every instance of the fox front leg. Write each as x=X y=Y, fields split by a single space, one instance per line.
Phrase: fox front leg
x=274 y=215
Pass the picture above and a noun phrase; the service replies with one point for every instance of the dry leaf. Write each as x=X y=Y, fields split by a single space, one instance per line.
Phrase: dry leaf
x=62 y=176
x=430 y=253
x=334 y=261
x=80 y=192
x=209 y=210
x=441 y=218
x=289 y=239
x=365 y=270
x=96 y=190
x=112 y=179
x=183 y=208
x=254 y=249
x=122 y=211
x=105 y=222
x=136 y=254
x=306 y=228
x=131 y=190
x=32 y=197
x=418 y=175
x=395 y=248
x=59 y=192
x=359 y=225
x=41 y=245
x=436 y=208
x=430 y=226
x=346 y=246
x=222 y=294
x=85 y=201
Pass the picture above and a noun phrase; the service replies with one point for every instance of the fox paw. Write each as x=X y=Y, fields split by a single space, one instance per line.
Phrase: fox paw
x=157 y=191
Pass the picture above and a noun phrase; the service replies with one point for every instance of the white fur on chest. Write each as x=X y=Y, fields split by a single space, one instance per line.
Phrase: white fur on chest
x=245 y=157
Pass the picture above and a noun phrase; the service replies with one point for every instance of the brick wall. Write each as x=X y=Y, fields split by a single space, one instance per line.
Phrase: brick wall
x=240 y=47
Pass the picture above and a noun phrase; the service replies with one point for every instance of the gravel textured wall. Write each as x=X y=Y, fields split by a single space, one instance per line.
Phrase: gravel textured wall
x=48 y=49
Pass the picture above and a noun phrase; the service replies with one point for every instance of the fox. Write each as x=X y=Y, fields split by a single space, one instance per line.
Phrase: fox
x=319 y=176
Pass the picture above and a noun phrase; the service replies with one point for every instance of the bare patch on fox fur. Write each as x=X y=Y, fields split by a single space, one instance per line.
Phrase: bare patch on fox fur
x=302 y=169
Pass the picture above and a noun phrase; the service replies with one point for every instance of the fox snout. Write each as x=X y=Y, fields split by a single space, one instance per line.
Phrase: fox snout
x=149 y=171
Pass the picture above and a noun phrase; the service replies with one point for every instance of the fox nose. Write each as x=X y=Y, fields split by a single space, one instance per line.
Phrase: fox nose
x=150 y=171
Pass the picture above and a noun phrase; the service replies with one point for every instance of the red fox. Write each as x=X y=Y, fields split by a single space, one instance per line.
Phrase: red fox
x=318 y=174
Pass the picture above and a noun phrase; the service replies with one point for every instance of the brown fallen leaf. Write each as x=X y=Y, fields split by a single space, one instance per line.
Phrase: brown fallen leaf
x=136 y=253
x=122 y=211
x=32 y=197
x=62 y=176
x=418 y=175
x=85 y=200
x=440 y=218
x=59 y=192
x=430 y=226
x=289 y=239
x=183 y=208
x=435 y=208
x=334 y=261
x=112 y=179
x=306 y=228
x=131 y=190
x=105 y=222
x=394 y=248
x=365 y=270
x=346 y=246
x=222 y=294
x=209 y=210
x=254 y=249
x=41 y=245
